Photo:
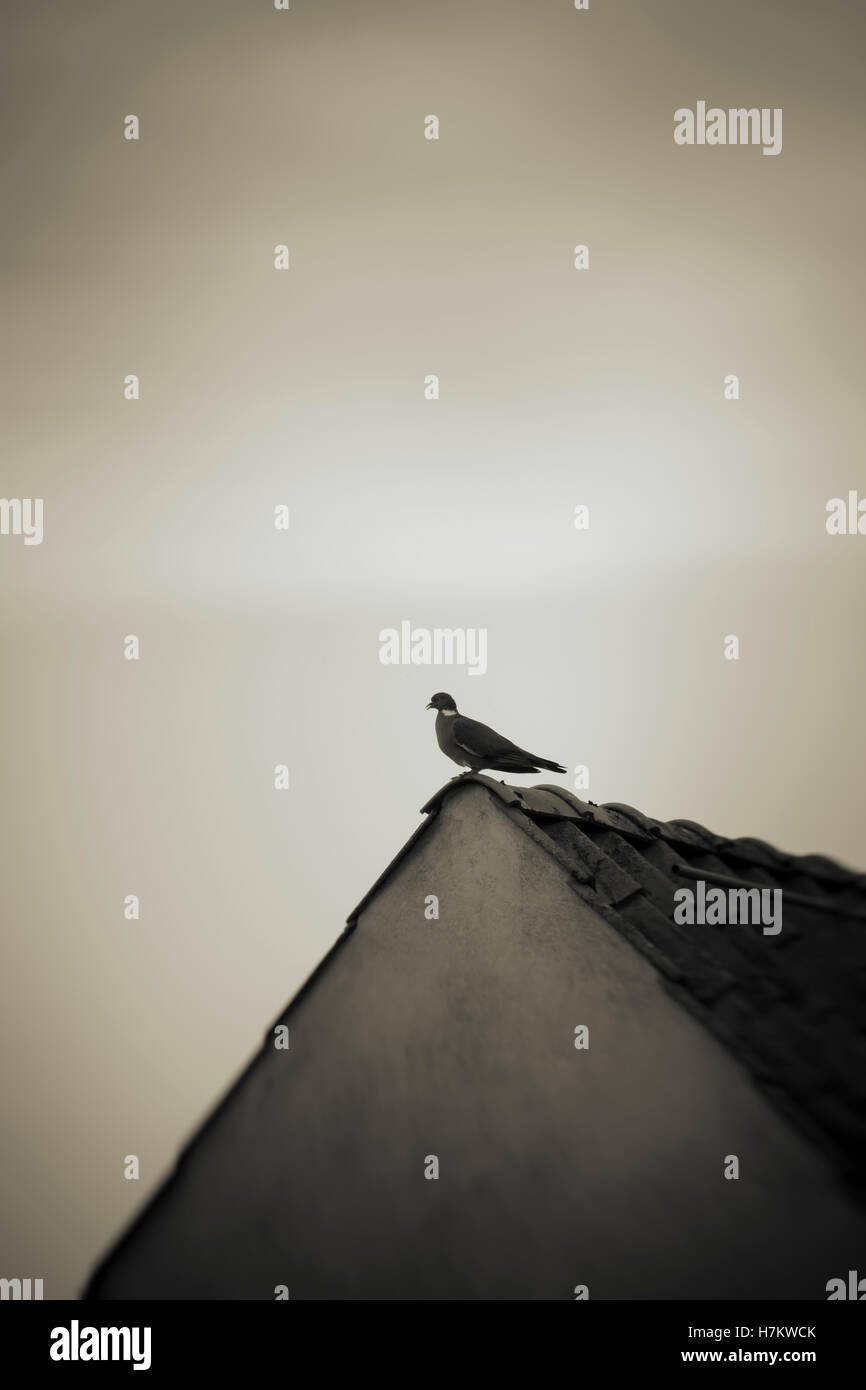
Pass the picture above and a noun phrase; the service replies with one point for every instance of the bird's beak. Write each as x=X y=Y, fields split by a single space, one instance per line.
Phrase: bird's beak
x=430 y=706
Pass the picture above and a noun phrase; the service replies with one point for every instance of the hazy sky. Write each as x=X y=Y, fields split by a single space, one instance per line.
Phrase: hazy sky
x=258 y=387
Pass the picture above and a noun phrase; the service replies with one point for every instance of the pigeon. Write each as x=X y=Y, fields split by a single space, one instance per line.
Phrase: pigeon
x=474 y=746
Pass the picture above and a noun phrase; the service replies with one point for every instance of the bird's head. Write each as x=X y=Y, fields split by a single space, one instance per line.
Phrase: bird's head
x=442 y=701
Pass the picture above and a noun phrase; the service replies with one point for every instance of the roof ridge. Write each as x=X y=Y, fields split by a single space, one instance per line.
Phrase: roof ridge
x=544 y=799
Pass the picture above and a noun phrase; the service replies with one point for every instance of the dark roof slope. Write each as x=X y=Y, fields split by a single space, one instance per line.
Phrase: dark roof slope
x=792 y=1007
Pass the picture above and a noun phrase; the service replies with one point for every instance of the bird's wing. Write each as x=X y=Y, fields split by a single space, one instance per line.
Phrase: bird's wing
x=479 y=740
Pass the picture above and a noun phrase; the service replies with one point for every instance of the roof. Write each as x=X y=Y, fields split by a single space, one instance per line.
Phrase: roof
x=790 y=1006
x=784 y=1007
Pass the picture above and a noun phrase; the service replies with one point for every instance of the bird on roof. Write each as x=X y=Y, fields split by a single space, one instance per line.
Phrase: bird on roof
x=475 y=746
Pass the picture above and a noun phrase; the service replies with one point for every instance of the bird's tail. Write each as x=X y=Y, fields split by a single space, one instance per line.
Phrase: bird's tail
x=551 y=767
x=519 y=761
